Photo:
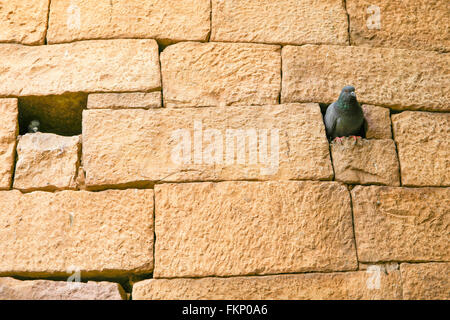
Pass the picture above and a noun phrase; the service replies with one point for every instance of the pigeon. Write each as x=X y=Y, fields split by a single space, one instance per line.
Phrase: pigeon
x=33 y=127
x=345 y=117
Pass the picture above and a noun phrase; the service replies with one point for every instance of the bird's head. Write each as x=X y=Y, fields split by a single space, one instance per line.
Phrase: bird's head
x=33 y=127
x=348 y=96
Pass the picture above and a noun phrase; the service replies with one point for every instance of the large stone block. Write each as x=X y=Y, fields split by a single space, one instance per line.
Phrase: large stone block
x=211 y=74
x=87 y=66
x=135 y=147
x=23 y=21
x=309 y=286
x=248 y=228
x=423 y=141
x=9 y=129
x=425 y=281
x=281 y=21
x=167 y=21
x=378 y=122
x=399 y=79
x=12 y=289
x=411 y=24
x=47 y=161
x=107 y=233
x=401 y=224
x=143 y=100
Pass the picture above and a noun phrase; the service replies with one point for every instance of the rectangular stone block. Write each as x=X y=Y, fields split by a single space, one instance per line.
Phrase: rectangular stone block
x=423 y=142
x=378 y=122
x=142 y=100
x=401 y=224
x=107 y=233
x=248 y=228
x=47 y=161
x=166 y=21
x=425 y=281
x=310 y=286
x=9 y=129
x=366 y=161
x=12 y=289
x=410 y=24
x=281 y=21
x=23 y=21
x=396 y=78
x=87 y=66
x=220 y=74
x=135 y=147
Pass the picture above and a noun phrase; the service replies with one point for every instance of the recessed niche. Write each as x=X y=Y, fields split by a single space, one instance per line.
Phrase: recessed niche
x=59 y=114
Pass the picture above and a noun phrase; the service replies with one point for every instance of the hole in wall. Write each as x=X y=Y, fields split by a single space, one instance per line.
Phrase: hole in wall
x=323 y=110
x=59 y=114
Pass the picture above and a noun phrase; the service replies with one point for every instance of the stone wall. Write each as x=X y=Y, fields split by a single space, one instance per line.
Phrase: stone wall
x=183 y=153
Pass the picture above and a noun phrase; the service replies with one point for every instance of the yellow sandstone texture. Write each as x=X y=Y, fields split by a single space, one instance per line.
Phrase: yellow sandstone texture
x=168 y=20
x=108 y=233
x=128 y=147
x=378 y=122
x=9 y=129
x=142 y=100
x=247 y=228
x=281 y=21
x=312 y=286
x=425 y=281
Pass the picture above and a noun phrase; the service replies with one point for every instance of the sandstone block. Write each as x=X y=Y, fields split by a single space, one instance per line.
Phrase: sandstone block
x=87 y=66
x=366 y=161
x=423 y=141
x=9 y=129
x=410 y=24
x=47 y=161
x=130 y=147
x=401 y=224
x=23 y=21
x=212 y=74
x=12 y=289
x=399 y=79
x=141 y=100
x=167 y=21
x=425 y=281
x=310 y=286
x=285 y=21
x=107 y=233
x=378 y=122
x=248 y=228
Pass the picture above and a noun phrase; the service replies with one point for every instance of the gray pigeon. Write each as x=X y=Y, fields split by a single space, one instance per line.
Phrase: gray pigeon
x=33 y=127
x=344 y=117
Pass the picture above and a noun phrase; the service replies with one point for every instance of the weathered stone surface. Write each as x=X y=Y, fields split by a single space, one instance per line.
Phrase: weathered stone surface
x=310 y=286
x=107 y=233
x=411 y=24
x=378 y=122
x=282 y=21
x=401 y=224
x=211 y=74
x=87 y=66
x=247 y=228
x=168 y=20
x=400 y=79
x=47 y=161
x=141 y=100
x=9 y=129
x=426 y=281
x=126 y=147
x=423 y=141
x=12 y=289
x=366 y=161
x=23 y=21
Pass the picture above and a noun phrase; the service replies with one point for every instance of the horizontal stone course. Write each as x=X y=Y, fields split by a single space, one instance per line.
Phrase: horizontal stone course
x=281 y=21
x=86 y=66
x=425 y=281
x=312 y=286
x=220 y=74
x=248 y=228
x=107 y=233
x=396 y=78
x=143 y=100
x=167 y=21
x=9 y=129
x=131 y=147
x=401 y=224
